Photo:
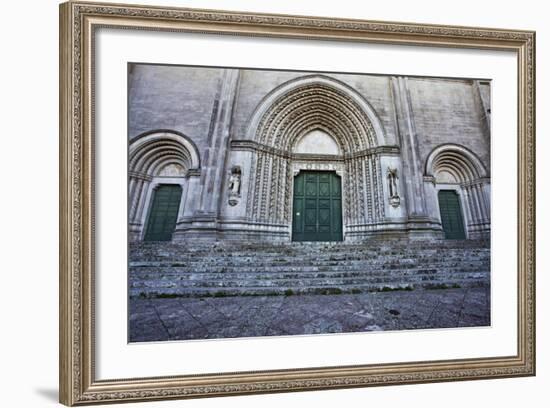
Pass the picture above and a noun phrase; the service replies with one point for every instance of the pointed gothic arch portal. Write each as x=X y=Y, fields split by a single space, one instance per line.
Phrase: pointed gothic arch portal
x=315 y=123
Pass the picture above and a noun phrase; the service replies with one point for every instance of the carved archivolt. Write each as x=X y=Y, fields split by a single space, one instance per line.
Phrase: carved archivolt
x=292 y=111
x=456 y=162
x=315 y=102
x=150 y=153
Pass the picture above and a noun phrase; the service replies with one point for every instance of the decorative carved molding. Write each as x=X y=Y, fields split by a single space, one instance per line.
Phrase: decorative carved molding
x=335 y=166
x=259 y=384
x=311 y=107
x=152 y=151
x=254 y=146
x=193 y=173
x=305 y=22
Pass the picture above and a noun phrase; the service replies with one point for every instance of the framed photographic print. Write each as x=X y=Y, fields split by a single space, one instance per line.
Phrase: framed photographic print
x=262 y=203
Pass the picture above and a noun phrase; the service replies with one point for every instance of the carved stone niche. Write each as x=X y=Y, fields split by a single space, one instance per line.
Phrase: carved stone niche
x=235 y=176
x=394 y=198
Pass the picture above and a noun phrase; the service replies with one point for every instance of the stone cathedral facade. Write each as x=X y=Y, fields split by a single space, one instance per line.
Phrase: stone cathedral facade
x=257 y=155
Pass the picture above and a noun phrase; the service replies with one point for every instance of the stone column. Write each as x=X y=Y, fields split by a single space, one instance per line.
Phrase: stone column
x=468 y=209
x=477 y=203
x=432 y=199
x=192 y=195
x=486 y=191
x=190 y=198
x=139 y=187
x=482 y=206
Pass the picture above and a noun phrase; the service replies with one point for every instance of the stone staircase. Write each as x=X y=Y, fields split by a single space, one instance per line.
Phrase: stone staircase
x=229 y=269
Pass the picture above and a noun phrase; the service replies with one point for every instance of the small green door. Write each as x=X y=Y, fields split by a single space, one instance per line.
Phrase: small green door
x=164 y=213
x=451 y=214
x=317 y=207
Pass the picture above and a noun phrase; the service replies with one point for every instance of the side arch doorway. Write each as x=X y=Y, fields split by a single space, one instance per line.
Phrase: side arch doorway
x=317 y=209
x=163 y=167
x=462 y=187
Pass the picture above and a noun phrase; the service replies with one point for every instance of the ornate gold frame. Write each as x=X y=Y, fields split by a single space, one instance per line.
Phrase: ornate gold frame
x=78 y=21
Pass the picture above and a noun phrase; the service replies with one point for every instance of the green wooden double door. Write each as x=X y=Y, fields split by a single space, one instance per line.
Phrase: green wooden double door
x=317 y=207
x=451 y=214
x=163 y=214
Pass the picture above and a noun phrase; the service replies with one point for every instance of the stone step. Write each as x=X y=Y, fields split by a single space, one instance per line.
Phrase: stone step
x=450 y=278
x=320 y=257
x=311 y=245
x=298 y=282
x=309 y=265
x=326 y=255
x=214 y=279
x=172 y=269
x=383 y=242
x=310 y=289
x=289 y=251
x=298 y=249
x=223 y=273
x=314 y=258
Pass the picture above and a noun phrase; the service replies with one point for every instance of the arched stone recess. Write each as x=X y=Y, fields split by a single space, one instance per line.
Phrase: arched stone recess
x=351 y=143
x=454 y=167
x=158 y=158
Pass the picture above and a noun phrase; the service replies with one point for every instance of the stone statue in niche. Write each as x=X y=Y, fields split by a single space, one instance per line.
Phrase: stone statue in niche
x=392 y=187
x=235 y=185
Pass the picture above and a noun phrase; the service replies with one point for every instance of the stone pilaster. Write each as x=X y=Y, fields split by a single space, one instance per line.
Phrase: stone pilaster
x=212 y=171
x=484 y=111
x=412 y=167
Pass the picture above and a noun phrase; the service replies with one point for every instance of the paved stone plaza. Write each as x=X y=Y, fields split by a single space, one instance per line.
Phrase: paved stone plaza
x=184 y=318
